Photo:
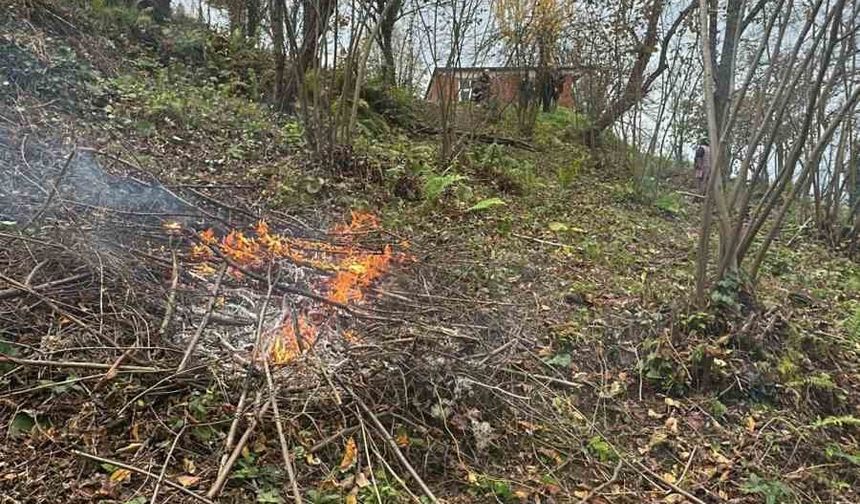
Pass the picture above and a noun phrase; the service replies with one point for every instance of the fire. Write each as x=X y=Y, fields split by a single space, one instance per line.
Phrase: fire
x=287 y=346
x=352 y=269
x=357 y=273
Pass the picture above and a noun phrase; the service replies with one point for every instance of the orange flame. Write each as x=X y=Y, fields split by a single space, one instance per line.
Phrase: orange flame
x=287 y=346
x=355 y=269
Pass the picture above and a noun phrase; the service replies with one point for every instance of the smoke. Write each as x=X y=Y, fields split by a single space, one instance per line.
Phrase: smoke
x=38 y=180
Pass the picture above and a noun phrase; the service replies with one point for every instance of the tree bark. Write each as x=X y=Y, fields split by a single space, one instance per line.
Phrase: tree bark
x=315 y=18
x=389 y=15
x=277 y=8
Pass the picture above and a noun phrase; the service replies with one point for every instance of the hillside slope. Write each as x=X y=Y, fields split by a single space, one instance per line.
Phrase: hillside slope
x=530 y=341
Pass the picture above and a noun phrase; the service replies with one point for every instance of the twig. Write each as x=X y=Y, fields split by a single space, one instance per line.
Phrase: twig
x=692 y=195
x=285 y=451
x=392 y=444
x=538 y=240
x=171 y=297
x=80 y=364
x=639 y=466
x=687 y=466
x=166 y=462
x=594 y=491
x=17 y=291
x=203 y=323
x=138 y=470
x=55 y=187
x=231 y=434
x=225 y=470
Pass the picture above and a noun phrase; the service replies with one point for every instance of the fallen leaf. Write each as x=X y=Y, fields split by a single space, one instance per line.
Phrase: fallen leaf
x=351 y=499
x=654 y=414
x=720 y=458
x=672 y=425
x=189 y=466
x=361 y=480
x=187 y=480
x=120 y=475
x=349 y=454
x=672 y=403
x=750 y=424
x=402 y=439
x=669 y=478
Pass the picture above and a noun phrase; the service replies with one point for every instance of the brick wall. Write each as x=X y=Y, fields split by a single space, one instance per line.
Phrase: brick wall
x=504 y=86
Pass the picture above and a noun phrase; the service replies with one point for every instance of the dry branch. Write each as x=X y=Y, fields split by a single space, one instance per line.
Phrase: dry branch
x=203 y=323
x=138 y=470
x=79 y=364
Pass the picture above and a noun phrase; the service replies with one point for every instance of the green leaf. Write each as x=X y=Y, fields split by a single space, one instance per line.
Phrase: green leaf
x=486 y=203
x=269 y=495
x=560 y=360
x=557 y=227
x=22 y=424
x=434 y=186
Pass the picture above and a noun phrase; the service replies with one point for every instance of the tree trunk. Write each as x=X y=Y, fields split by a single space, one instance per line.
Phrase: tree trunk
x=277 y=8
x=390 y=14
x=252 y=19
x=633 y=91
x=315 y=18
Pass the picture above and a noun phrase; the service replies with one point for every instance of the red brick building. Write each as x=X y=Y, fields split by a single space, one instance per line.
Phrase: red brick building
x=505 y=83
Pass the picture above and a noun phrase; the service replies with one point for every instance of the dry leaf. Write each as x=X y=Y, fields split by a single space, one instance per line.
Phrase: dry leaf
x=402 y=439
x=654 y=414
x=187 y=480
x=750 y=424
x=349 y=453
x=189 y=466
x=351 y=499
x=669 y=478
x=720 y=458
x=672 y=403
x=361 y=480
x=672 y=425
x=120 y=475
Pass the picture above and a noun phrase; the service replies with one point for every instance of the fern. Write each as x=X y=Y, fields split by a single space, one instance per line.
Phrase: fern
x=435 y=185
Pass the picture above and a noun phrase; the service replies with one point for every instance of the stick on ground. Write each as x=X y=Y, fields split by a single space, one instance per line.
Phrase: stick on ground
x=138 y=470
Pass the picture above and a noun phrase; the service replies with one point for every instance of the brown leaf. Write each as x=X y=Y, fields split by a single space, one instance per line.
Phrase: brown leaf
x=187 y=480
x=349 y=454
x=120 y=475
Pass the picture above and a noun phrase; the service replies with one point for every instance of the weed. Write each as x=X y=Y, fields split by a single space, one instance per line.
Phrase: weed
x=435 y=185
x=670 y=203
x=836 y=421
x=773 y=491
x=487 y=486
x=598 y=447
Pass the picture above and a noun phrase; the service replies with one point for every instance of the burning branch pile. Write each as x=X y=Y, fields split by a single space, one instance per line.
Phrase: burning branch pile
x=344 y=271
x=145 y=298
